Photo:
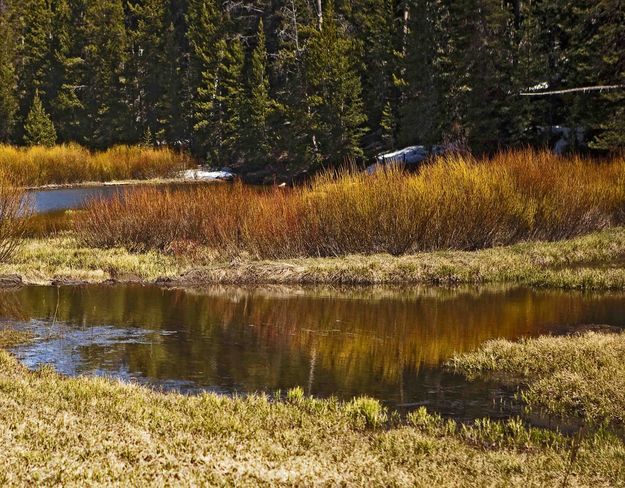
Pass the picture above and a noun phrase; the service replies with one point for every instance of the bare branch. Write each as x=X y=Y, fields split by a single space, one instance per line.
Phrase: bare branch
x=583 y=89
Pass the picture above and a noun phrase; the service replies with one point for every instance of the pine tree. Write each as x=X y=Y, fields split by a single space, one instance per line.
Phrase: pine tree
x=39 y=129
x=334 y=96
x=426 y=76
x=107 y=118
x=8 y=96
x=375 y=23
x=388 y=126
x=202 y=19
x=149 y=65
x=63 y=77
x=258 y=105
x=597 y=52
x=34 y=19
x=229 y=102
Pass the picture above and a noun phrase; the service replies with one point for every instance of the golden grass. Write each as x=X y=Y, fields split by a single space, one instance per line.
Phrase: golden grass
x=92 y=431
x=591 y=262
x=581 y=376
x=457 y=202
x=63 y=164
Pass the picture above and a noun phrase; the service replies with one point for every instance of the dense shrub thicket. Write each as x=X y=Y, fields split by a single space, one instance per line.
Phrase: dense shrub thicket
x=456 y=202
x=40 y=165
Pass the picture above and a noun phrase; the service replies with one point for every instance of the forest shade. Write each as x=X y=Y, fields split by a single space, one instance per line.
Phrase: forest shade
x=282 y=85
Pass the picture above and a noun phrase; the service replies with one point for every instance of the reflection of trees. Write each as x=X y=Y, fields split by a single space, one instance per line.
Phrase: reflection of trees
x=11 y=307
x=278 y=337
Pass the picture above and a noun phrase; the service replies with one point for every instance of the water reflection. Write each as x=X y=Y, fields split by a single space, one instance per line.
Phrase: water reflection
x=382 y=342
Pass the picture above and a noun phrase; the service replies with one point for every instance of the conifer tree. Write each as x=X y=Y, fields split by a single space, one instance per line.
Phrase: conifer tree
x=63 y=78
x=149 y=65
x=376 y=24
x=598 y=55
x=39 y=128
x=107 y=116
x=258 y=105
x=34 y=27
x=8 y=96
x=426 y=76
x=229 y=102
x=203 y=35
x=334 y=92
x=388 y=126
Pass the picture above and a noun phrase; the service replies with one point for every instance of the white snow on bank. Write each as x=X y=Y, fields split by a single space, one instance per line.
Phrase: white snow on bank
x=204 y=175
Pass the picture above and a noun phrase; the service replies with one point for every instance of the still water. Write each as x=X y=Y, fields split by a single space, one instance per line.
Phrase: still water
x=52 y=200
x=382 y=342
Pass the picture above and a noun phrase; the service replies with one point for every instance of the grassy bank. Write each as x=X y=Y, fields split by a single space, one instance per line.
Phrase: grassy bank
x=67 y=164
x=593 y=262
x=76 y=431
x=456 y=202
x=581 y=376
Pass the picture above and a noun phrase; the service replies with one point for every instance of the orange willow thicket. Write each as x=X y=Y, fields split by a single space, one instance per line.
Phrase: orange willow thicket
x=71 y=163
x=456 y=202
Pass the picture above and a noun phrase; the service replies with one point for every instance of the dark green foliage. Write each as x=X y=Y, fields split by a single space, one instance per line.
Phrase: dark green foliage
x=39 y=128
x=334 y=97
x=8 y=95
x=274 y=86
x=256 y=136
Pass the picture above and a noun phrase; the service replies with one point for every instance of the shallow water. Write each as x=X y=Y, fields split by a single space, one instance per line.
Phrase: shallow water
x=53 y=200
x=382 y=342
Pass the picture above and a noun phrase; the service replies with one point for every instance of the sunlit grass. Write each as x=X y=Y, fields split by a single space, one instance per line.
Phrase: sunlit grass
x=590 y=262
x=93 y=431
x=457 y=202
x=581 y=376
x=64 y=164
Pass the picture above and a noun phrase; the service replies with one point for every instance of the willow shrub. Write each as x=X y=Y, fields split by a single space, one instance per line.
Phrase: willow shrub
x=64 y=164
x=456 y=202
x=14 y=213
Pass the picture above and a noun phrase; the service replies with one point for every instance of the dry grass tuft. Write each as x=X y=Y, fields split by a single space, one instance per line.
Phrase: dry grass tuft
x=457 y=202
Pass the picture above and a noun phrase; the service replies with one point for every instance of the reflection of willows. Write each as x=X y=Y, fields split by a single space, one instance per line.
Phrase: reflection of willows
x=297 y=335
x=356 y=292
x=382 y=331
x=11 y=307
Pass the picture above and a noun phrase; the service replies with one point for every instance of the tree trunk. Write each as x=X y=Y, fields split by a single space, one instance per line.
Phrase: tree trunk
x=319 y=15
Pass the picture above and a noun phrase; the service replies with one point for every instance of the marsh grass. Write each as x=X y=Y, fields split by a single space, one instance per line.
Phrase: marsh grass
x=64 y=164
x=589 y=262
x=579 y=376
x=82 y=431
x=457 y=202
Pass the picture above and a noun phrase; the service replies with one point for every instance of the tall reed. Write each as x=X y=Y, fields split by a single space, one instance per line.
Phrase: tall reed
x=456 y=202
x=63 y=164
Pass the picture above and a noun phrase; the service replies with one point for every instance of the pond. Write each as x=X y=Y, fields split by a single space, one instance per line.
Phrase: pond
x=52 y=200
x=52 y=207
x=383 y=342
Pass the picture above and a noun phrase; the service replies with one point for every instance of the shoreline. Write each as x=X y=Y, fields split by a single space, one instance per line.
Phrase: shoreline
x=591 y=262
x=52 y=431
x=95 y=184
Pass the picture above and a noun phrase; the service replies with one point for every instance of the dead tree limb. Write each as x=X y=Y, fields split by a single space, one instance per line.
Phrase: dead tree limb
x=583 y=89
